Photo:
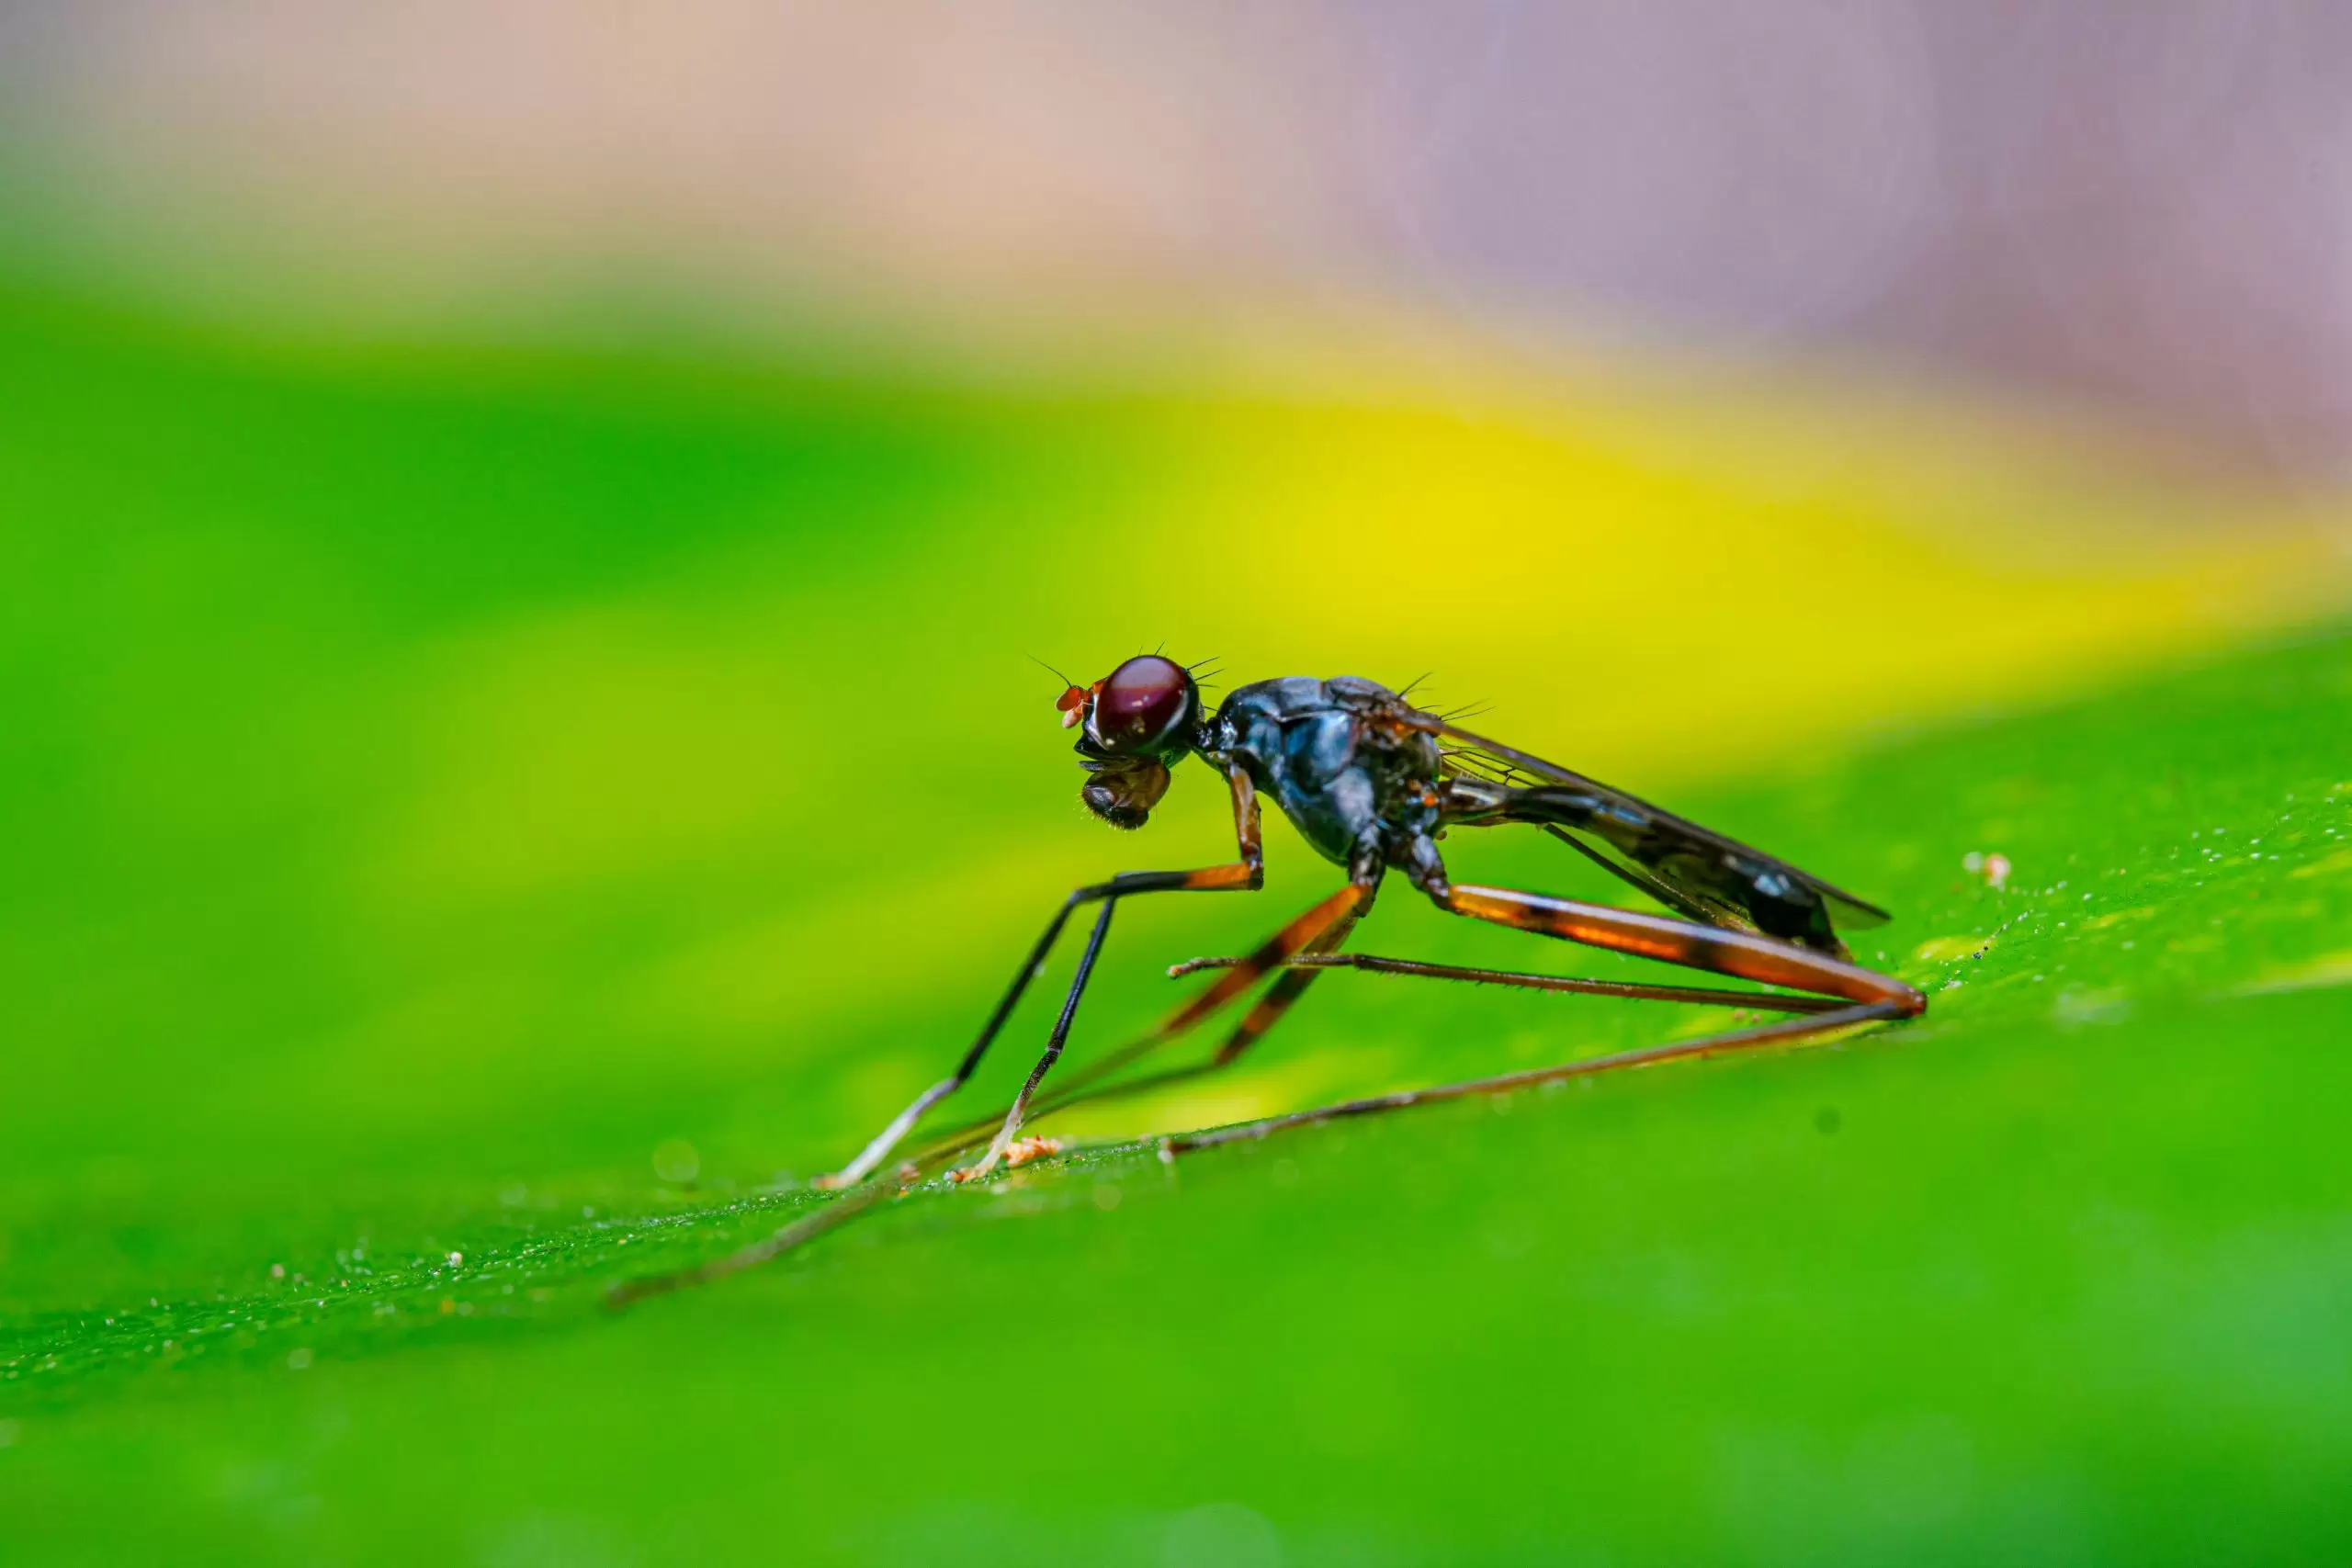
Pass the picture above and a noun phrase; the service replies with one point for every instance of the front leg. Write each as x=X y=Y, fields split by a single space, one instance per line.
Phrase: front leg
x=1245 y=874
x=1336 y=912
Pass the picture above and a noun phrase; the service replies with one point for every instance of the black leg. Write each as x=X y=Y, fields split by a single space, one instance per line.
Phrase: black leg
x=1244 y=874
x=1841 y=996
x=1075 y=1087
x=1053 y=1042
x=1302 y=948
x=1300 y=935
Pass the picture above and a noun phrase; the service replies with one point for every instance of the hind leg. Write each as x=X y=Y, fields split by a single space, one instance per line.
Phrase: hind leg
x=1836 y=995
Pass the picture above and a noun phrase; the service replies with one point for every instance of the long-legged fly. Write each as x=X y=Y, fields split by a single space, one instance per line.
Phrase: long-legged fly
x=1371 y=782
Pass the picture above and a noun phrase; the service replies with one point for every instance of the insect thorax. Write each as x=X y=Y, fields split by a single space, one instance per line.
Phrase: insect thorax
x=1330 y=756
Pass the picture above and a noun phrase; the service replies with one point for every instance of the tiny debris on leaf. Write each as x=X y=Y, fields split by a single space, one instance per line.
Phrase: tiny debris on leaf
x=1993 y=867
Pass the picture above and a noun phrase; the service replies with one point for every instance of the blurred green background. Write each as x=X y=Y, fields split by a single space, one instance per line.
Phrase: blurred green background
x=500 y=787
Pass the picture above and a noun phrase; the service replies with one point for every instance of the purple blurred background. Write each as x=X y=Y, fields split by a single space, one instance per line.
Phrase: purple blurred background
x=2147 y=209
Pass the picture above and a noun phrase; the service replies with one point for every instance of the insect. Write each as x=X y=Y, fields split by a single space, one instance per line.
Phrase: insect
x=1371 y=782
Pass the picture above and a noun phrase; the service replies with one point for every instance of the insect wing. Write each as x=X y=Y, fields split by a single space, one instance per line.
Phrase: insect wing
x=1699 y=863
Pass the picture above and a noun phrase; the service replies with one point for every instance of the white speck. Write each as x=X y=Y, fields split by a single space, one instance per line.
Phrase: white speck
x=278 y=1270
x=456 y=1259
x=297 y=1360
x=1973 y=861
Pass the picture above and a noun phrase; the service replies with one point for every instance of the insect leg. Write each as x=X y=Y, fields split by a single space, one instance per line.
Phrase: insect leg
x=1245 y=874
x=1258 y=962
x=1857 y=996
x=1786 y=1031
x=1748 y=956
x=1053 y=1043
x=1779 y=1002
x=1285 y=944
x=1296 y=976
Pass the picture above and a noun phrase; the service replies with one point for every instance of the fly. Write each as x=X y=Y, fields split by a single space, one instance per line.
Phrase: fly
x=1371 y=782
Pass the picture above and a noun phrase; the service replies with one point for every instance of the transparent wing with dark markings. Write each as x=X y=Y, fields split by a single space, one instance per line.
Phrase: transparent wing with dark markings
x=1643 y=841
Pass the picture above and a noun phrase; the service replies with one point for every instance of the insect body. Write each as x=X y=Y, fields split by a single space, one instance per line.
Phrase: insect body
x=1358 y=782
x=1371 y=782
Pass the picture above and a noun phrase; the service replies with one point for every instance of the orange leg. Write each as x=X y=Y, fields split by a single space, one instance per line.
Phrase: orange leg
x=1245 y=874
x=1749 y=955
x=1775 y=1001
x=1301 y=972
x=1854 y=996
x=1301 y=935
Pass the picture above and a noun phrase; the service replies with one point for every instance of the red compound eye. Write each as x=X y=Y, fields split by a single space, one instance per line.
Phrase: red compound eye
x=1144 y=700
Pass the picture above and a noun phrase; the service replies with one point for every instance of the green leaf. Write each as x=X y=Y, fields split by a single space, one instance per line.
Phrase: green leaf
x=474 y=819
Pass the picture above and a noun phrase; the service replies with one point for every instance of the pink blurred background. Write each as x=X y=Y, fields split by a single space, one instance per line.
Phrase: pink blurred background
x=2142 y=208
